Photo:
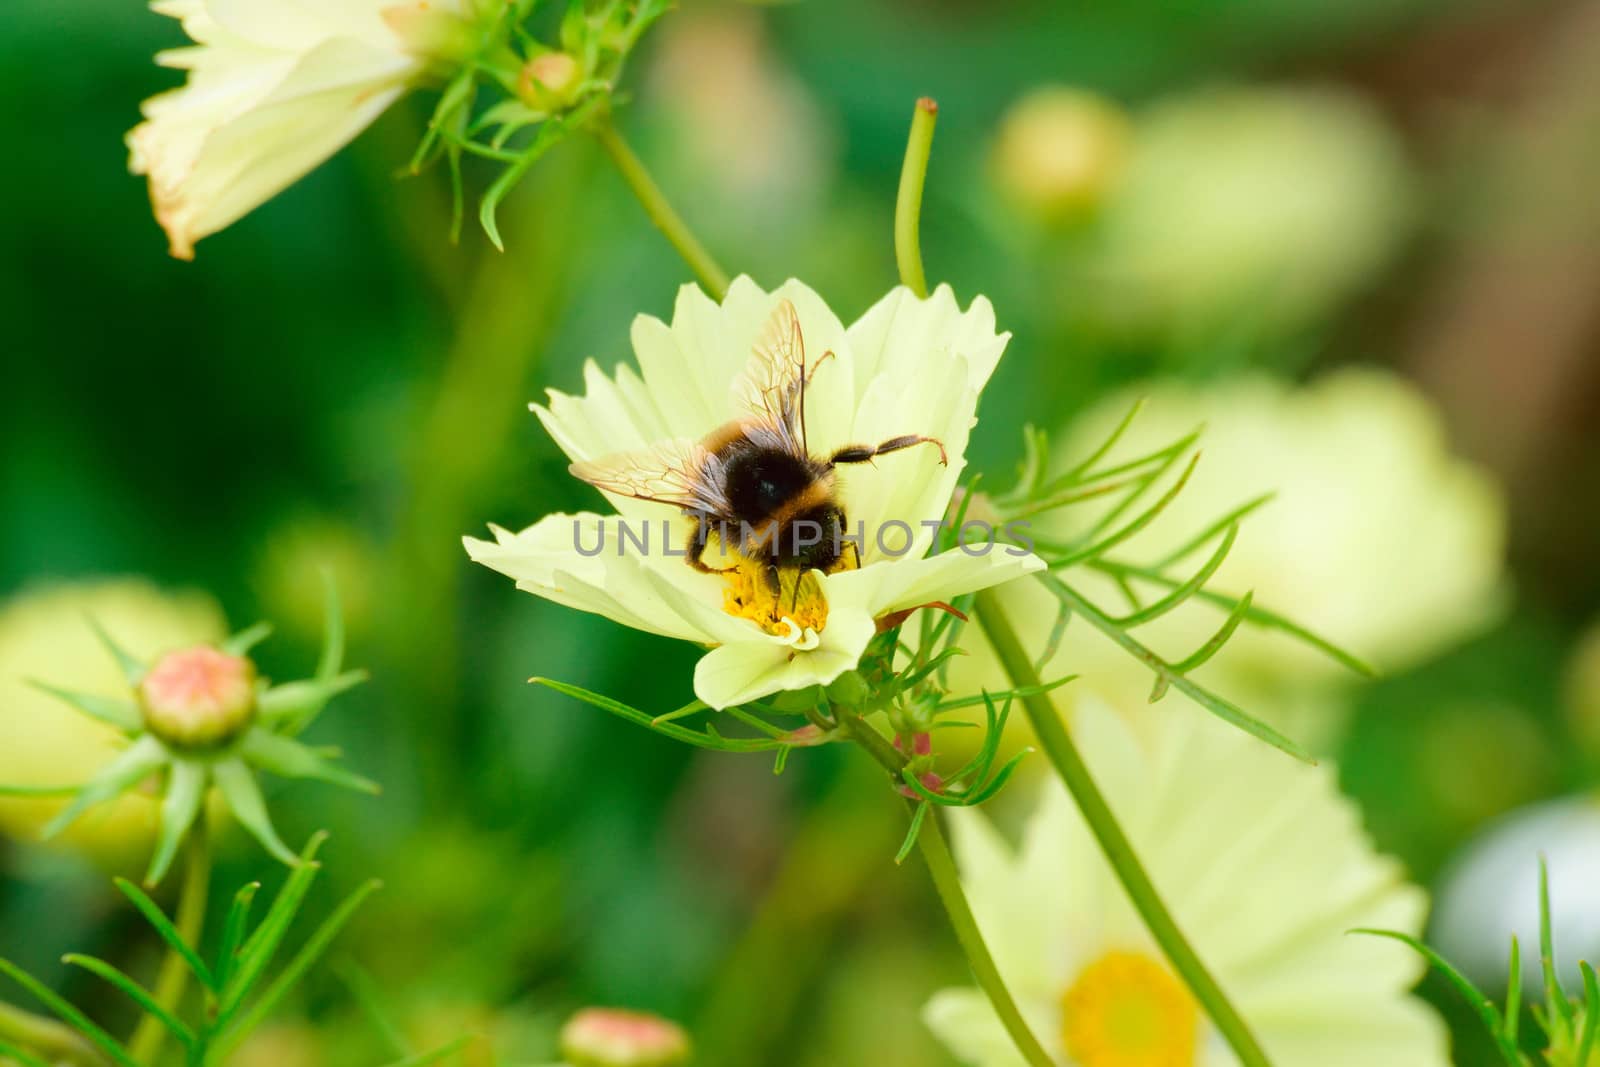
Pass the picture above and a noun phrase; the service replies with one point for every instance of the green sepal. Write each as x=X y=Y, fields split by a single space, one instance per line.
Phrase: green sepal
x=186 y=791
x=122 y=714
x=132 y=766
x=133 y=669
x=288 y=758
x=243 y=797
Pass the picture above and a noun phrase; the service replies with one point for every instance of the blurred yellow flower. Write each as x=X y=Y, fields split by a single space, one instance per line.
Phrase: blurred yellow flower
x=1059 y=150
x=46 y=635
x=1377 y=538
x=1267 y=204
x=275 y=87
x=1264 y=866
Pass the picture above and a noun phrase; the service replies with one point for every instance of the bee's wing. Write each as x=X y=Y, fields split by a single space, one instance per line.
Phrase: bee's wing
x=772 y=386
x=680 y=472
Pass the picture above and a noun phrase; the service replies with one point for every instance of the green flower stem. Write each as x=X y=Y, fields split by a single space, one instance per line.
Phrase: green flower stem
x=53 y=1041
x=947 y=882
x=173 y=977
x=712 y=277
x=908 y=203
x=1064 y=754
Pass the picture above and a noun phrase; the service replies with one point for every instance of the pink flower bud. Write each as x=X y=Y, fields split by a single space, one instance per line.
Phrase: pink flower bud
x=199 y=697
x=549 y=80
x=612 y=1037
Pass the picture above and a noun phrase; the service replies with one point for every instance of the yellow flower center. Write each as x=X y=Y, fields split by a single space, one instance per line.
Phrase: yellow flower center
x=796 y=609
x=1127 y=1010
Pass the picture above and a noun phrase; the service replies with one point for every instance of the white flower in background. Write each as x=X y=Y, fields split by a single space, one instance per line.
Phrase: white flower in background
x=1490 y=891
x=1264 y=866
x=275 y=87
x=1274 y=204
x=907 y=366
x=46 y=634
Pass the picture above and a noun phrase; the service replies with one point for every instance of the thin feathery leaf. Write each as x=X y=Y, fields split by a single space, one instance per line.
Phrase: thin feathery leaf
x=1158 y=460
x=233 y=929
x=1556 y=1002
x=135 y=992
x=301 y=962
x=1110 y=441
x=1166 y=676
x=1591 y=1013
x=164 y=927
x=1480 y=1003
x=1019 y=692
x=1257 y=616
x=694 y=707
x=68 y=1014
x=756 y=722
x=1232 y=518
x=709 y=739
x=910 y=841
x=262 y=945
x=1204 y=653
x=1513 y=1015
x=1132 y=527
x=998 y=782
x=1052 y=644
x=1188 y=589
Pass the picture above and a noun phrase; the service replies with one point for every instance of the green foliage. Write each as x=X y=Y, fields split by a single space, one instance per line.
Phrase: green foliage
x=526 y=121
x=1569 y=1024
x=236 y=995
x=186 y=777
x=1125 y=485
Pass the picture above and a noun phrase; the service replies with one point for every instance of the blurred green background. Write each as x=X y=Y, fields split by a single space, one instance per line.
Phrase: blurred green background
x=1401 y=184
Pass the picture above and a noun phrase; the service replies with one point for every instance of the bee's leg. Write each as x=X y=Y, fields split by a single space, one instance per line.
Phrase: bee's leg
x=774 y=580
x=698 y=538
x=864 y=454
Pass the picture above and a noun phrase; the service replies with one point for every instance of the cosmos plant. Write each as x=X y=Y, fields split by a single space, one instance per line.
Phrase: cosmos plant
x=850 y=648
x=200 y=718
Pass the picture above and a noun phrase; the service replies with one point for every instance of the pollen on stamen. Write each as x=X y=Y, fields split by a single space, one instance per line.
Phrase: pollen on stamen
x=797 y=611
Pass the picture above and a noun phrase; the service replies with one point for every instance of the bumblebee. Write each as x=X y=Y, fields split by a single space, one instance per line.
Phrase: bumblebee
x=754 y=480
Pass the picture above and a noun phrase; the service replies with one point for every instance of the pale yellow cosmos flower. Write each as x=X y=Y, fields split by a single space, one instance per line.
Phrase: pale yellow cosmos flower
x=1264 y=866
x=908 y=366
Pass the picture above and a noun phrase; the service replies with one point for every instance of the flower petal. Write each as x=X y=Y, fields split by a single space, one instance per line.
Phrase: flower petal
x=750 y=669
x=615 y=582
x=892 y=585
x=965 y=1020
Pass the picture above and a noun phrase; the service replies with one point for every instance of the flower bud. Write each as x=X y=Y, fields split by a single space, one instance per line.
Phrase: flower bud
x=1059 y=150
x=611 y=1037
x=849 y=689
x=199 y=697
x=549 y=81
